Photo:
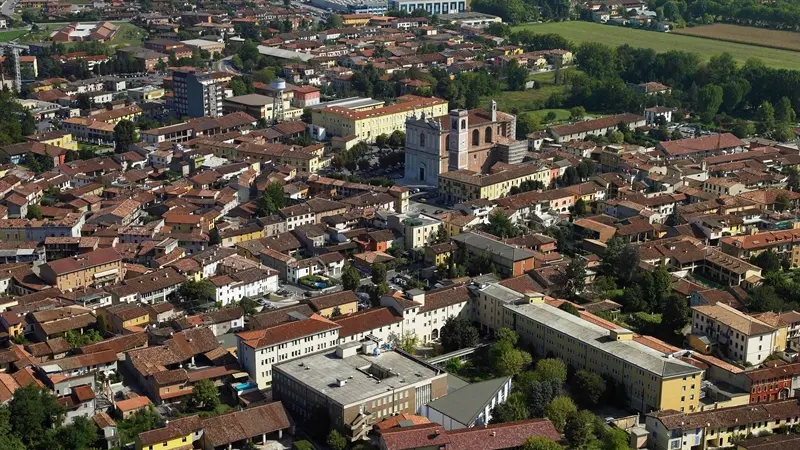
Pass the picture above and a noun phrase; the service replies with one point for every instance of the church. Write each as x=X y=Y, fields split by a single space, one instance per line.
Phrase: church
x=465 y=139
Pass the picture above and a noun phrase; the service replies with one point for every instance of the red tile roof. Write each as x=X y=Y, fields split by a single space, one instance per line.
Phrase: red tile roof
x=287 y=331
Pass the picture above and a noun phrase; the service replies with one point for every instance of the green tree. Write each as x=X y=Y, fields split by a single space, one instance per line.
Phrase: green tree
x=577 y=113
x=782 y=202
x=501 y=226
x=272 y=200
x=335 y=440
x=378 y=273
x=675 y=314
x=124 y=135
x=248 y=306
x=579 y=209
x=351 y=279
x=238 y=86
x=539 y=394
x=34 y=212
x=709 y=99
x=143 y=420
x=541 y=443
x=458 y=333
x=32 y=412
x=81 y=434
x=302 y=445
x=784 y=113
x=768 y=261
x=516 y=75
x=514 y=409
x=559 y=410
x=205 y=396
x=574 y=278
x=408 y=342
x=570 y=308
x=512 y=362
x=595 y=59
x=588 y=388
x=334 y=22
x=527 y=123
x=551 y=369
x=793 y=181
x=194 y=293
x=616 y=261
x=578 y=429
x=766 y=118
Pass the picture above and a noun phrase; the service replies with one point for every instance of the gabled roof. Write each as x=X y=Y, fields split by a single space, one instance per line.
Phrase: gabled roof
x=465 y=404
x=287 y=331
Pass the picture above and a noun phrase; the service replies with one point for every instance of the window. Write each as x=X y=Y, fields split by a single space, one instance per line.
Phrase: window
x=476 y=137
x=488 y=135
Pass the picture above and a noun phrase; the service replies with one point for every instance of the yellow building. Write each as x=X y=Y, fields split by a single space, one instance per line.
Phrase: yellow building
x=719 y=427
x=96 y=268
x=125 y=315
x=439 y=254
x=356 y=20
x=420 y=231
x=368 y=124
x=57 y=138
x=326 y=305
x=146 y=93
x=114 y=116
x=177 y=434
x=652 y=380
x=464 y=185
x=308 y=159
x=232 y=237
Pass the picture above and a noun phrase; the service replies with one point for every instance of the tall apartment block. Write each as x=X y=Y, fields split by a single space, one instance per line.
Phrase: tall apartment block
x=197 y=94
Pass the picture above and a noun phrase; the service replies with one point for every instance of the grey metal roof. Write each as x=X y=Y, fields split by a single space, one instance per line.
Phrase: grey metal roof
x=284 y=54
x=465 y=404
x=501 y=249
x=595 y=336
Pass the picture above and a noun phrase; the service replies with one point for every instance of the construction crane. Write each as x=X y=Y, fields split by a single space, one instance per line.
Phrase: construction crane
x=15 y=50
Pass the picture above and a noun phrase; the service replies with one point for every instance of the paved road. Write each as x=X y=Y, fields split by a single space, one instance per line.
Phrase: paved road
x=225 y=65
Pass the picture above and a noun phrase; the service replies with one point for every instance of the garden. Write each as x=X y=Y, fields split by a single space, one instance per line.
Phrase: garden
x=316 y=282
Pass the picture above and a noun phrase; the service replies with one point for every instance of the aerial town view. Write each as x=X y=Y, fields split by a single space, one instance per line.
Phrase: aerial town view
x=399 y=225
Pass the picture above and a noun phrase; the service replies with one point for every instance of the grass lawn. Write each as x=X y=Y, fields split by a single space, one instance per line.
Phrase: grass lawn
x=6 y=36
x=662 y=42
x=522 y=101
x=128 y=34
x=763 y=37
x=561 y=114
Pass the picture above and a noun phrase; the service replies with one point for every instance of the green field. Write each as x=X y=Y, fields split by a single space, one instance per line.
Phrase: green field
x=662 y=42
x=561 y=114
x=522 y=101
x=128 y=34
x=6 y=36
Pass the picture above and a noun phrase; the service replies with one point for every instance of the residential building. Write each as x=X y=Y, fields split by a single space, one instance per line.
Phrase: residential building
x=357 y=389
x=259 y=106
x=738 y=336
x=151 y=288
x=252 y=283
x=701 y=147
x=197 y=94
x=259 y=350
x=490 y=437
x=420 y=231
x=345 y=302
x=597 y=127
x=122 y=317
x=702 y=430
x=100 y=267
x=464 y=185
x=211 y=47
x=368 y=124
x=653 y=380
x=508 y=259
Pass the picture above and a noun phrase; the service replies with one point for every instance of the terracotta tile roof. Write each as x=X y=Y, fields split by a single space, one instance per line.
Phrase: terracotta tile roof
x=103 y=420
x=331 y=300
x=726 y=417
x=118 y=344
x=368 y=319
x=133 y=404
x=271 y=318
x=394 y=421
x=444 y=297
x=94 y=258
x=176 y=428
x=501 y=436
x=246 y=424
x=287 y=331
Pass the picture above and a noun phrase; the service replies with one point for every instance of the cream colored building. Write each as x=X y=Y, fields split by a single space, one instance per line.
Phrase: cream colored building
x=652 y=380
x=464 y=185
x=420 y=231
x=368 y=124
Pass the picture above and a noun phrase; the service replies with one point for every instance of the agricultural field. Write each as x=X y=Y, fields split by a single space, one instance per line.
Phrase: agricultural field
x=761 y=37
x=662 y=42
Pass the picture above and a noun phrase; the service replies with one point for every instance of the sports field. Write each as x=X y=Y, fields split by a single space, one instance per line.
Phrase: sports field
x=662 y=42
x=763 y=37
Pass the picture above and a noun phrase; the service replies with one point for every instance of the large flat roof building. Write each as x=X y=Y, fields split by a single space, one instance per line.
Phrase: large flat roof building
x=357 y=389
x=653 y=380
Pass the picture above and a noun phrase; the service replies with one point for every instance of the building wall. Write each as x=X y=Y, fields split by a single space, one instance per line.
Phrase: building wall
x=83 y=278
